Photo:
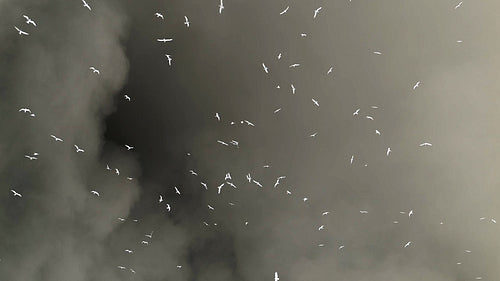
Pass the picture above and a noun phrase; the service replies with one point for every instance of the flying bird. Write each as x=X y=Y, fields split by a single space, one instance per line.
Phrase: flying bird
x=329 y=70
x=313 y=134
x=25 y=110
x=168 y=207
x=78 y=149
x=210 y=207
x=257 y=183
x=149 y=235
x=276 y=277
x=204 y=185
x=219 y=188
x=416 y=85
x=388 y=151
x=325 y=213
x=30 y=157
x=321 y=227
x=94 y=70
x=127 y=97
x=377 y=132
x=227 y=176
x=29 y=21
x=223 y=143
x=158 y=15
x=56 y=138
x=129 y=251
x=369 y=117
x=407 y=244
x=217 y=116
x=278 y=180
x=425 y=144
x=277 y=110
x=341 y=247
x=15 y=193
x=249 y=123
x=294 y=65
x=221 y=7
x=160 y=199
x=95 y=193
x=86 y=5
x=177 y=190
x=316 y=12
x=117 y=171
x=377 y=53
x=265 y=68
x=144 y=242
x=129 y=147
x=279 y=56
x=169 y=59
x=285 y=10
x=410 y=213
x=121 y=267
x=293 y=89
x=363 y=212
x=164 y=40
x=315 y=102
x=186 y=22
x=20 y=31
x=458 y=5
x=355 y=112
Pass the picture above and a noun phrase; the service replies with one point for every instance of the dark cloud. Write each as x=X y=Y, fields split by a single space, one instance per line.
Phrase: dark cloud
x=59 y=231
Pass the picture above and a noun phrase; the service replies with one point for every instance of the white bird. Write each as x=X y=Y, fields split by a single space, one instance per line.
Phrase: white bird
x=363 y=212
x=177 y=190
x=231 y=184
x=377 y=53
x=293 y=89
x=223 y=143
x=129 y=251
x=168 y=207
x=117 y=171
x=468 y=251
x=108 y=168
x=249 y=123
x=395 y=222
x=210 y=207
x=164 y=40
x=294 y=65
x=352 y=158
x=407 y=244
x=160 y=199
x=129 y=147
x=341 y=247
x=458 y=5
x=493 y=221
x=276 y=277
x=25 y=110
x=94 y=70
x=377 y=132
x=219 y=188
x=217 y=116
x=95 y=193
x=321 y=227
x=316 y=12
x=315 y=102
x=288 y=192
x=303 y=34
x=179 y=266
x=144 y=242
x=78 y=149
x=279 y=56
x=257 y=183
x=204 y=185
x=235 y=143
x=329 y=70
x=369 y=117
x=285 y=10
x=121 y=267
x=416 y=85
x=30 y=157
x=169 y=59
x=127 y=97
x=193 y=172
x=410 y=213
x=388 y=151
x=277 y=110
x=356 y=112
x=149 y=235
x=86 y=5
x=313 y=134
x=278 y=180
x=158 y=15
x=374 y=106
x=227 y=177
x=265 y=68
x=321 y=245
x=266 y=166
x=29 y=21
x=20 y=31
x=305 y=199
x=221 y=7
x=325 y=213
x=16 y=193
x=186 y=22
x=131 y=270
x=249 y=178
x=121 y=219
x=425 y=144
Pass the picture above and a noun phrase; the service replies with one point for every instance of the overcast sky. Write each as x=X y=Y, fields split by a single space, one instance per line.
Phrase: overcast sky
x=58 y=230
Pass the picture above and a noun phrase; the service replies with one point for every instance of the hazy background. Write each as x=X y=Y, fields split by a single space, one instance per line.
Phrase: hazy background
x=59 y=231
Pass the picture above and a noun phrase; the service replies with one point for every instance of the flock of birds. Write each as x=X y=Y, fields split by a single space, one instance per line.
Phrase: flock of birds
x=228 y=180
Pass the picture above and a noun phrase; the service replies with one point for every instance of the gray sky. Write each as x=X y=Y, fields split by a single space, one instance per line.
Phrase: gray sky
x=58 y=230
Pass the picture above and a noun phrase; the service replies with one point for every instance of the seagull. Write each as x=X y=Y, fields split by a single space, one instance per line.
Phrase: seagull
x=129 y=251
x=145 y=242
x=388 y=151
x=177 y=190
x=29 y=21
x=56 y=138
x=149 y=235
x=352 y=158
x=315 y=102
x=341 y=247
x=231 y=184
x=179 y=266
x=266 y=166
x=30 y=157
x=160 y=199
x=94 y=70
x=186 y=21
x=276 y=277
x=278 y=180
x=164 y=40
x=86 y=5
x=313 y=135
x=257 y=183
x=20 y=31
x=377 y=132
x=468 y=251
x=425 y=144
x=221 y=7
x=227 y=177
x=249 y=178
x=410 y=213
x=277 y=110
x=210 y=207
x=217 y=116
x=329 y=70
x=95 y=193
x=407 y=244
x=377 y=53
x=288 y=192
x=25 y=110
x=219 y=188
x=416 y=85
x=193 y=172
x=265 y=68
x=16 y=193
x=223 y=143
x=127 y=97
x=374 y=106
x=325 y=213
x=316 y=12
x=129 y=147
x=168 y=207
x=293 y=89
x=305 y=199
x=363 y=212
x=249 y=123
x=78 y=149
x=279 y=56
x=303 y=34
x=355 y=112
x=117 y=171
x=321 y=245
x=158 y=15
x=458 y=5
x=369 y=117
x=285 y=10
x=294 y=65
x=204 y=185
x=321 y=227
x=108 y=168
x=493 y=221
x=131 y=270
x=121 y=267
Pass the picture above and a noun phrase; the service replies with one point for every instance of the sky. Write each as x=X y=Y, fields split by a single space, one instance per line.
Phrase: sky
x=424 y=71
